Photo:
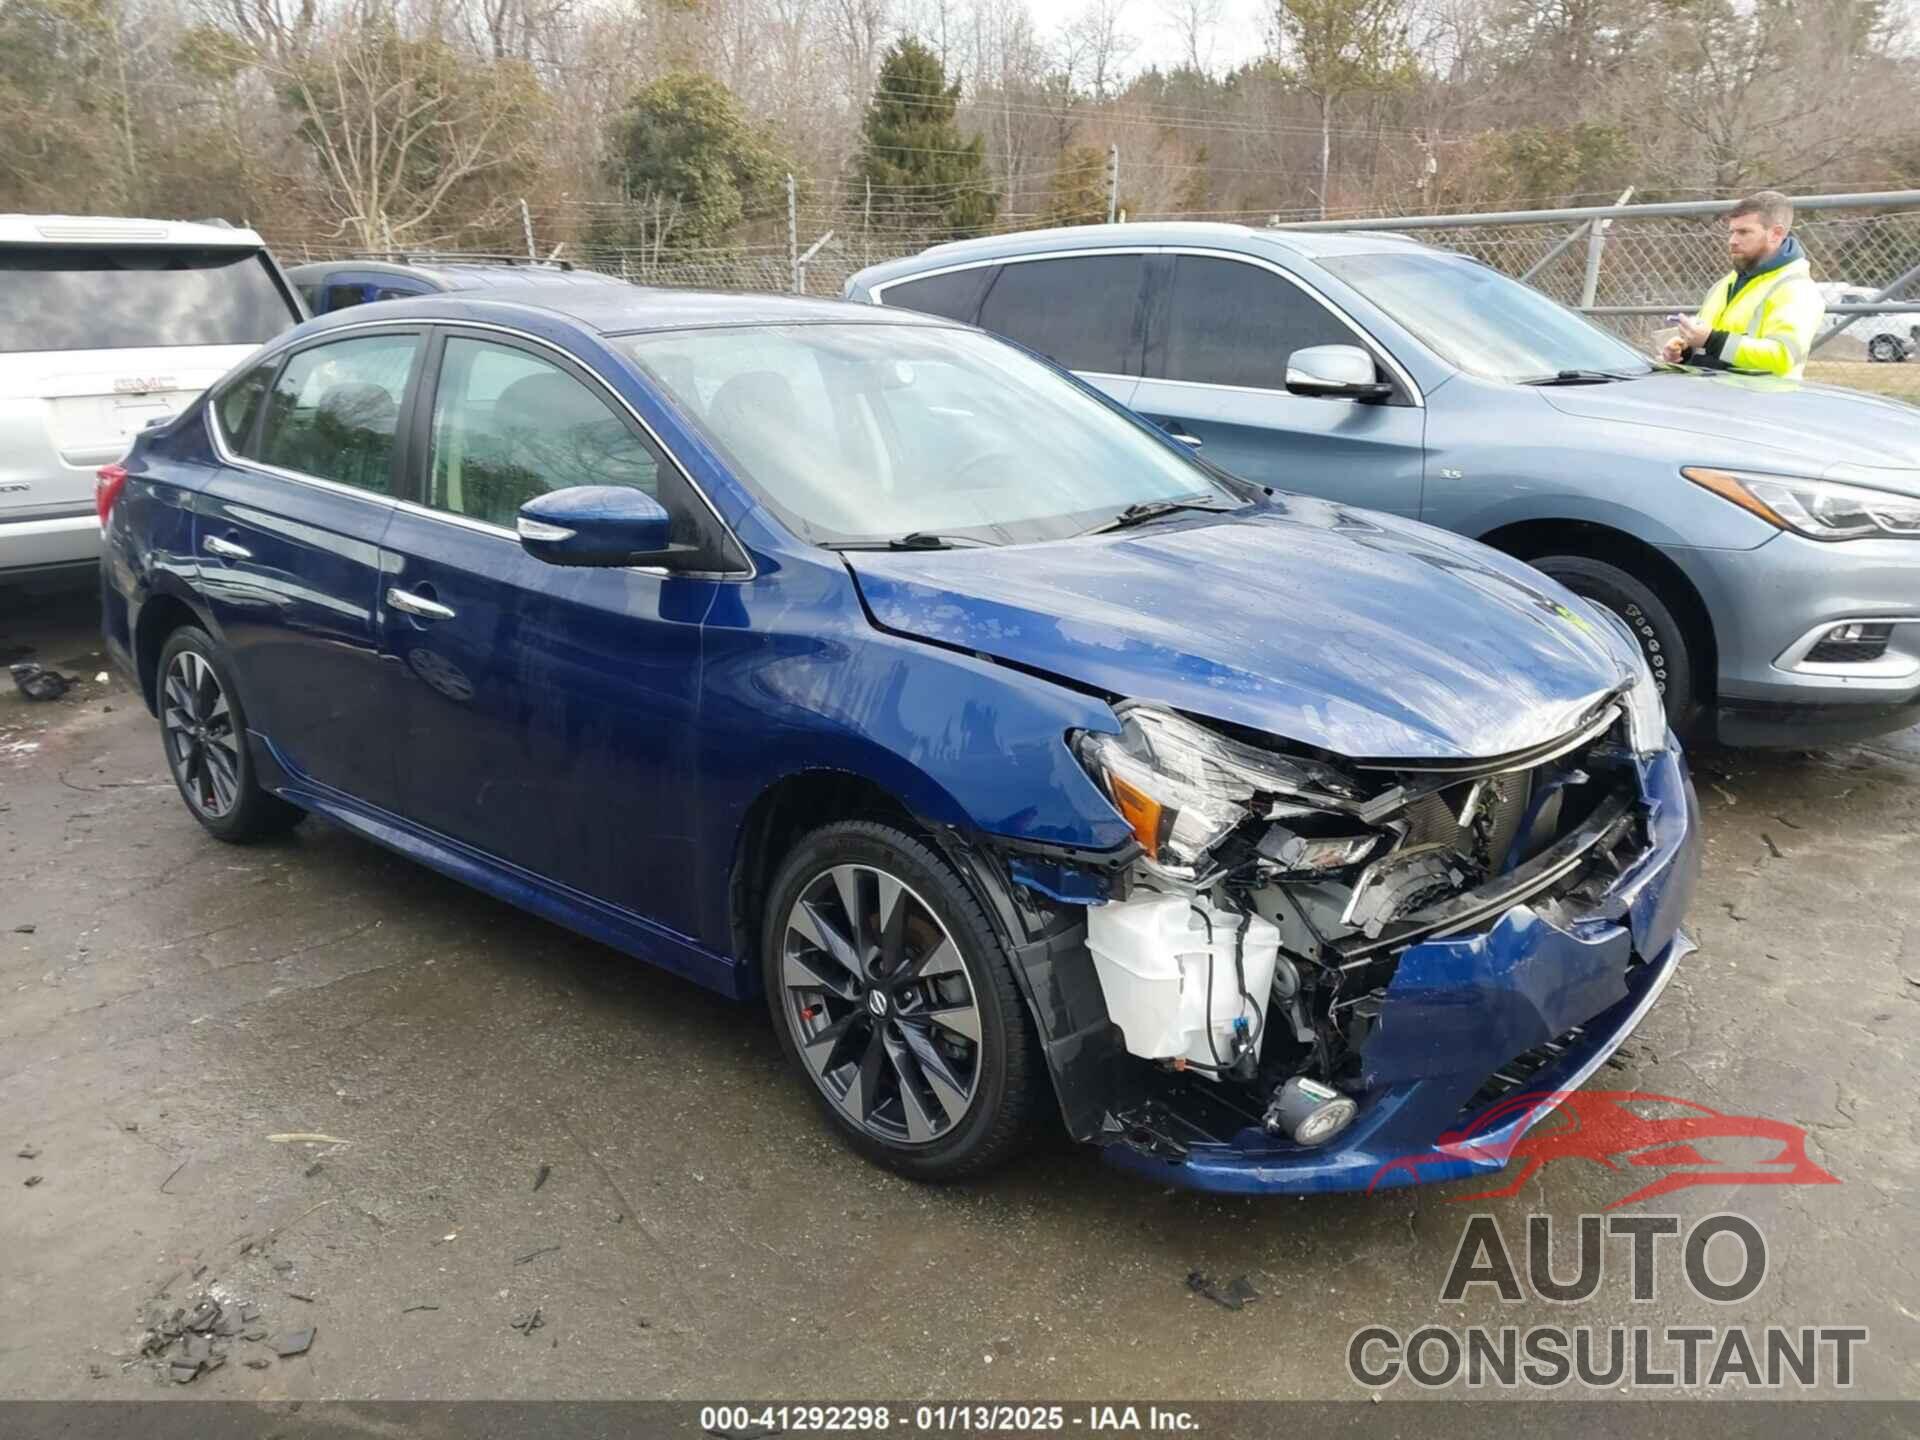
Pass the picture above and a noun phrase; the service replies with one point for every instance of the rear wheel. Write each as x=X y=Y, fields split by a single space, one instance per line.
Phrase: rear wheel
x=1661 y=639
x=894 y=996
x=1886 y=348
x=205 y=733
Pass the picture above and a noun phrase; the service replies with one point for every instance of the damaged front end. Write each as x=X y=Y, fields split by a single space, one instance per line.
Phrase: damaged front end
x=1315 y=967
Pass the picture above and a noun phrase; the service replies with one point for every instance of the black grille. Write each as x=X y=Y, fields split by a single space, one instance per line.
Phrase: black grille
x=1518 y=1073
x=1871 y=645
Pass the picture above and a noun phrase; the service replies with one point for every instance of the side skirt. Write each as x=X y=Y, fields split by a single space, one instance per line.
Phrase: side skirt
x=596 y=919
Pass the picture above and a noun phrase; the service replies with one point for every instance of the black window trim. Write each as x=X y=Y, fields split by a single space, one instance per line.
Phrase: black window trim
x=224 y=448
x=419 y=427
x=1416 y=397
x=1074 y=253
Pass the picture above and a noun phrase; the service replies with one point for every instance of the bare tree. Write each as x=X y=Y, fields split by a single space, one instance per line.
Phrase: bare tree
x=1194 y=25
x=1093 y=45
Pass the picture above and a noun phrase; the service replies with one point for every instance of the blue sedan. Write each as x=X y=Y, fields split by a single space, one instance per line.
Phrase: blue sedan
x=1022 y=761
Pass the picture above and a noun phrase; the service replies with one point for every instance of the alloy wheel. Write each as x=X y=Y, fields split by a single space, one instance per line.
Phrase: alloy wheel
x=202 y=746
x=880 y=1005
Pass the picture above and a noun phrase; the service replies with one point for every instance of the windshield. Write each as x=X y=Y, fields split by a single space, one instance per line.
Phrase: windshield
x=862 y=433
x=54 y=298
x=1484 y=322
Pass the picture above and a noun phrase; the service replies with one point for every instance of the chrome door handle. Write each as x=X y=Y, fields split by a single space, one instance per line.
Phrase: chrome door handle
x=411 y=604
x=225 y=549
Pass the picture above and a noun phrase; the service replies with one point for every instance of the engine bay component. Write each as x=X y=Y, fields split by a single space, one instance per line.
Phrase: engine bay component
x=1185 y=981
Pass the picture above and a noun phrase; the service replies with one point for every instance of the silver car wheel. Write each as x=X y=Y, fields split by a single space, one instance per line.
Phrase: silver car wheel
x=203 y=748
x=880 y=1004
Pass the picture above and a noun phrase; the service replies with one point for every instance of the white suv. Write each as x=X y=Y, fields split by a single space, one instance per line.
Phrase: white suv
x=107 y=325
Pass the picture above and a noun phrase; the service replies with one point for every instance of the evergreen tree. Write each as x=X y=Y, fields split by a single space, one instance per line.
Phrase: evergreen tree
x=925 y=174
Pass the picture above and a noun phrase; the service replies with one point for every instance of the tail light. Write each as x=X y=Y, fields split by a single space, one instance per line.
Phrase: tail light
x=108 y=482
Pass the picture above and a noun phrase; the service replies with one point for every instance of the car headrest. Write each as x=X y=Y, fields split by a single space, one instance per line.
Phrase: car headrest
x=754 y=399
x=547 y=401
x=358 y=405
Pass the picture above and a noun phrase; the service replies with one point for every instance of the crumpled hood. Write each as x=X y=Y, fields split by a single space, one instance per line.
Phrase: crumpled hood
x=1354 y=632
x=1775 y=422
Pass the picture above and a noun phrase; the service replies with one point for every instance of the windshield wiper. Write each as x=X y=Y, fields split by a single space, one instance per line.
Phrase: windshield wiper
x=1152 y=510
x=914 y=540
x=1578 y=377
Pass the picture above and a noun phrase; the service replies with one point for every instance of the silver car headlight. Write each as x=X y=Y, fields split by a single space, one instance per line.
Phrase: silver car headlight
x=1646 y=713
x=1819 y=509
x=1182 y=788
x=1646 y=706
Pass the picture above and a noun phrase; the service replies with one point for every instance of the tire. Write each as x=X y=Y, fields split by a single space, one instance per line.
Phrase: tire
x=203 y=731
x=1886 y=348
x=888 y=1075
x=1661 y=639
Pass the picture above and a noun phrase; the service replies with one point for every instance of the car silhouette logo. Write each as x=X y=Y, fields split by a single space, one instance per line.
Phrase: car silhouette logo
x=1694 y=1144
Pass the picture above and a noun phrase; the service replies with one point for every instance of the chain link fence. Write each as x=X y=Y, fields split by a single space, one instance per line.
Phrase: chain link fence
x=1627 y=266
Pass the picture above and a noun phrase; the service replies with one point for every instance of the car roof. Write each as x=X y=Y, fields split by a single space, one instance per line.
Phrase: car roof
x=1247 y=239
x=629 y=309
x=118 y=230
x=455 y=274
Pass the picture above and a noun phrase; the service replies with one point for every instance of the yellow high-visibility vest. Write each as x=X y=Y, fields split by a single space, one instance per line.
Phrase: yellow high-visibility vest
x=1767 y=325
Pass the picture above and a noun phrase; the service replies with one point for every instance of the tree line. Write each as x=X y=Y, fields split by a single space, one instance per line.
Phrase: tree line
x=666 y=128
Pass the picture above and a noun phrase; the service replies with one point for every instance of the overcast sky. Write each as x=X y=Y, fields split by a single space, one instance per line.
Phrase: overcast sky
x=1236 y=39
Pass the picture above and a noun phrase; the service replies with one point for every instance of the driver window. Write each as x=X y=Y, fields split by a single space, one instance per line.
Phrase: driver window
x=1230 y=323
x=508 y=425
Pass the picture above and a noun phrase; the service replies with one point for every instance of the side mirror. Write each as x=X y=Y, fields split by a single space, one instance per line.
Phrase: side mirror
x=605 y=525
x=1339 y=371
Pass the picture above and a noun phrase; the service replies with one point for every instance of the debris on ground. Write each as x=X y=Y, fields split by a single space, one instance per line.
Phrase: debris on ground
x=535 y=1254
x=33 y=1180
x=294 y=1342
x=192 y=1340
x=313 y=1169
x=24 y=929
x=540 y=1176
x=411 y=1308
x=101 y=678
x=28 y=1152
x=260 y=1364
x=1773 y=848
x=296 y=1295
x=528 y=1323
x=305 y=1137
x=38 y=683
x=1234 y=1295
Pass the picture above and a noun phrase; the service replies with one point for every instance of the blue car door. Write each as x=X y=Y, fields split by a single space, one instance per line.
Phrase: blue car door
x=551 y=711
x=288 y=535
x=1219 y=332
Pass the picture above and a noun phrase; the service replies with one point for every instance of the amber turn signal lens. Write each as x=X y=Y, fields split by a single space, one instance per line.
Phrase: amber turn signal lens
x=1141 y=812
x=1728 y=487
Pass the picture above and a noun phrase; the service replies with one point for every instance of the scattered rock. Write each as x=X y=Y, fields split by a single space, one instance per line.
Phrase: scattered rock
x=260 y=1364
x=294 y=1342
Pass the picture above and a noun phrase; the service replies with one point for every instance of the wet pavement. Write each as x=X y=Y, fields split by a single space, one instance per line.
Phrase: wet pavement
x=315 y=1080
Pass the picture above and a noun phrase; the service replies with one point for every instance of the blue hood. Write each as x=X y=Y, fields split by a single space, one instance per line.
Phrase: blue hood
x=1346 y=630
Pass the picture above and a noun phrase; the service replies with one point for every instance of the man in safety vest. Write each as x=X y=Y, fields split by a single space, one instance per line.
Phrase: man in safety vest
x=1762 y=318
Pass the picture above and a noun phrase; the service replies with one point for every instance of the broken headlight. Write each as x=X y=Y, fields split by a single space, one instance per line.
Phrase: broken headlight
x=1182 y=788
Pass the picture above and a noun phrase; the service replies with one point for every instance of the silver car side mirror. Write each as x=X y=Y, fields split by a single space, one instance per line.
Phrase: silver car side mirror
x=1338 y=371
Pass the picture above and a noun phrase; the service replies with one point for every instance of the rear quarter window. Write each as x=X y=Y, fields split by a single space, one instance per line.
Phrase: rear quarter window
x=137 y=296
x=953 y=296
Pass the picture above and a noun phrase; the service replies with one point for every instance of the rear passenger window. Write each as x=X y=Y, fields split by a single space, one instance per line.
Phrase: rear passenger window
x=335 y=410
x=508 y=426
x=1078 y=312
x=1230 y=323
x=239 y=403
x=955 y=295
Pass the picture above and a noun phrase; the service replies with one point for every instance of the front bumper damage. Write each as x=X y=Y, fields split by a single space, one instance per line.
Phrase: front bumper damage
x=1536 y=995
